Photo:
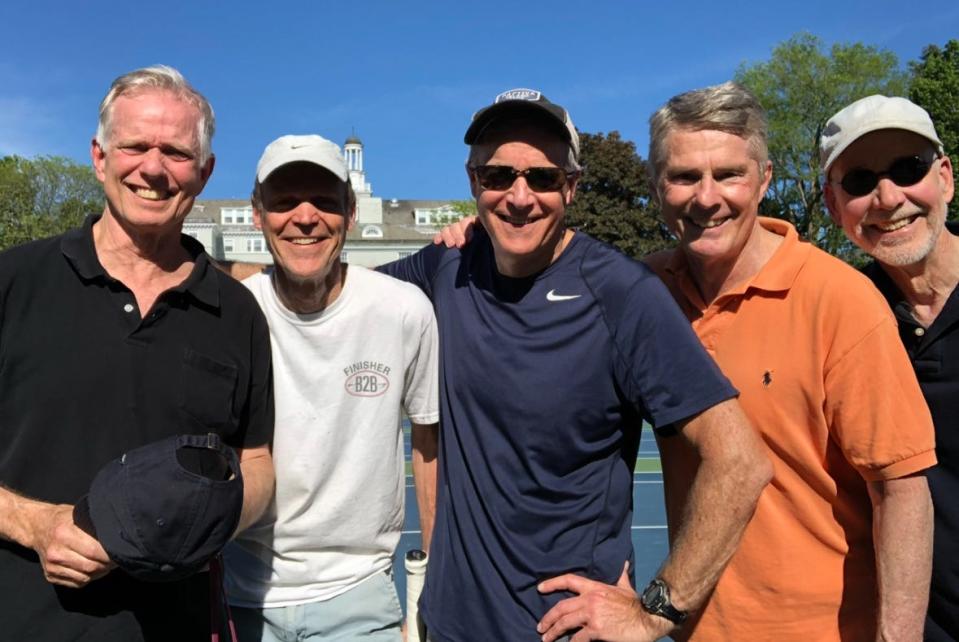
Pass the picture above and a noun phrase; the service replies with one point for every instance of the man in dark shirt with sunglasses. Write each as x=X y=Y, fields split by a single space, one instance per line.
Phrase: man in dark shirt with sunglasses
x=554 y=347
x=888 y=184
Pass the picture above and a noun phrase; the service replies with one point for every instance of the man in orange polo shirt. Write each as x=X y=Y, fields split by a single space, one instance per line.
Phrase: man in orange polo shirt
x=840 y=544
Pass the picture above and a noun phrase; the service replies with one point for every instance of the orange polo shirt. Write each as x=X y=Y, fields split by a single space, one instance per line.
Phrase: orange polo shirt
x=814 y=351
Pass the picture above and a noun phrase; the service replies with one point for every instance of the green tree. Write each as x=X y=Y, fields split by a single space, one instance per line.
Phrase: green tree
x=935 y=87
x=613 y=201
x=44 y=196
x=463 y=208
x=801 y=86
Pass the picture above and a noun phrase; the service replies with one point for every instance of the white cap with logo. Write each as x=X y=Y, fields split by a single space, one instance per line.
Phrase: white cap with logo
x=307 y=148
x=870 y=114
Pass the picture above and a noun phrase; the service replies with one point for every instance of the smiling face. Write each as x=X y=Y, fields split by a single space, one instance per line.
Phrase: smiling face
x=150 y=166
x=526 y=227
x=898 y=225
x=305 y=213
x=709 y=189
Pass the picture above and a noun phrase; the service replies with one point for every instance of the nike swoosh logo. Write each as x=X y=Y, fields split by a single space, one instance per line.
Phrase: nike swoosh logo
x=552 y=296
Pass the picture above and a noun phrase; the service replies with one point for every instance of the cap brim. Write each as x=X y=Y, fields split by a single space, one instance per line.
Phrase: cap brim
x=487 y=116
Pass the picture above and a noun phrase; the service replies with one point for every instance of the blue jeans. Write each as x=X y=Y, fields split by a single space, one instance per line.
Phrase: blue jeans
x=368 y=611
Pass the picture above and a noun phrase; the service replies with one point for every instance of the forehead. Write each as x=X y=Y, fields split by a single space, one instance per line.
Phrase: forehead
x=877 y=149
x=531 y=145
x=302 y=178
x=694 y=147
x=155 y=110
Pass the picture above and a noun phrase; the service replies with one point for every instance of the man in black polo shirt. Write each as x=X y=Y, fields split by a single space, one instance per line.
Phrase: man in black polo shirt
x=113 y=336
x=888 y=184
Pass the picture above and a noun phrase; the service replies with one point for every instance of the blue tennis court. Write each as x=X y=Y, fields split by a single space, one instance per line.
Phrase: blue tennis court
x=649 y=517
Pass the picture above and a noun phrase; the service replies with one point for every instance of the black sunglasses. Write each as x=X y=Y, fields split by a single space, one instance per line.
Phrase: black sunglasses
x=904 y=172
x=539 y=179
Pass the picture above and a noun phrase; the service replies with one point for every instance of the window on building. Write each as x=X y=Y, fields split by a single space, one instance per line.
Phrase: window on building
x=404 y=253
x=423 y=217
x=254 y=245
x=228 y=245
x=237 y=215
x=372 y=232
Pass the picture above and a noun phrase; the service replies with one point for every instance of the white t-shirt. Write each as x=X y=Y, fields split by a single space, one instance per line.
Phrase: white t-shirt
x=341 y=379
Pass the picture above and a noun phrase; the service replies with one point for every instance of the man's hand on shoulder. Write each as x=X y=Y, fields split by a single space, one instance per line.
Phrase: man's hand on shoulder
x=599 y=612
x=458 y=234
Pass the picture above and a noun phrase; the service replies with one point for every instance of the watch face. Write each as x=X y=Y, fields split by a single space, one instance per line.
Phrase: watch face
x=654 y=596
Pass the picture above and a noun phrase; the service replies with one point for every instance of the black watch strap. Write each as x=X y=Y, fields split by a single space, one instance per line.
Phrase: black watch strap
x=656 y=600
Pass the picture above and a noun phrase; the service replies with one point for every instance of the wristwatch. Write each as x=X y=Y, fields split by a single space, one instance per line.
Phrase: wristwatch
x=655 y=600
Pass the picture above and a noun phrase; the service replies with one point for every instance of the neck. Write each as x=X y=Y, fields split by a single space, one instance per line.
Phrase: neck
x=927 y=284
x=309 y=296
x=520 y=266
x=716 y=277
x=123 y=250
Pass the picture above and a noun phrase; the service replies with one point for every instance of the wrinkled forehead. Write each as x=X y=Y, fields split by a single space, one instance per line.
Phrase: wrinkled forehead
x=877 y=149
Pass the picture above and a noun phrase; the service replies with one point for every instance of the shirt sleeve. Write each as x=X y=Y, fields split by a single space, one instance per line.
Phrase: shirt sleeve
x=418 y=268
x=421 y=396
x=661 y=364
x=875 y=407
x=257 y=419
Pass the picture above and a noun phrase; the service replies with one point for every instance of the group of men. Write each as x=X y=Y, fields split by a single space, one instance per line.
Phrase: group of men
x=797 y=445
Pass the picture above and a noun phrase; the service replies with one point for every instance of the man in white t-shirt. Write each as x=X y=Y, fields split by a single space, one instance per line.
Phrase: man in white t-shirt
x=352 y=350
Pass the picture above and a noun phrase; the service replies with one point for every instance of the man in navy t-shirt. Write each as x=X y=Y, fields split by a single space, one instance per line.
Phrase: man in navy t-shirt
x=554 y=349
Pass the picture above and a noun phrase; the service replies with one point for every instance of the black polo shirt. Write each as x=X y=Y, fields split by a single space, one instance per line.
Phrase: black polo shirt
x=82 y=379
x=934 y=352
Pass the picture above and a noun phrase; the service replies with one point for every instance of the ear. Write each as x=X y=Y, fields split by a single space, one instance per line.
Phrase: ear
x=654 y=194
x=571 y=191
x=945 y=179
x=832 y=203
x=257 y=219
x=767 y=177
x=98 y=156
x=351 y=219
x=474 y=186
x=207 y=170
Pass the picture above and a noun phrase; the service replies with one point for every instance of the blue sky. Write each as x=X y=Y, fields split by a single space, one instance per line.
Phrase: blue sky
x=406 y=76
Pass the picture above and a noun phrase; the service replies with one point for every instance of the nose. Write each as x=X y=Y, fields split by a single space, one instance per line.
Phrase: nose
x=305 y=214
x=707 y=193
x=888 y=195
x=519 y=194
x=151 y=163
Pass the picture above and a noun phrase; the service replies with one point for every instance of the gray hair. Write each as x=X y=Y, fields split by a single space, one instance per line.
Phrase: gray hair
x=163 y=78
x=511 y=125
x=728 y=107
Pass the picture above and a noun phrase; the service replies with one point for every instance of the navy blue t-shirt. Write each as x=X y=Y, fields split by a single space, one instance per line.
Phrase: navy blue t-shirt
x=544 y=385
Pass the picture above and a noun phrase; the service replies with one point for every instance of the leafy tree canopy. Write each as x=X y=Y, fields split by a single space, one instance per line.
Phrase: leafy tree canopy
x=935 y=87
x=612 y=200
x=801 y=86
x=44 y=196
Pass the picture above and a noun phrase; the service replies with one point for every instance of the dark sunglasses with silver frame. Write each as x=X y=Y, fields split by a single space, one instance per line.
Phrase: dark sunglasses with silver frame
x=539 y=179
x=904 y=172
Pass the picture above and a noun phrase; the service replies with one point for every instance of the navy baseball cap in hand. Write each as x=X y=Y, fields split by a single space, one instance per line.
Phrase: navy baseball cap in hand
x=163 y=510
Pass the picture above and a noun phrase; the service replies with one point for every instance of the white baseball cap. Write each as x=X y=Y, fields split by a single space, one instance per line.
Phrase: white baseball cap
x=308 y=148
x=870 y=114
